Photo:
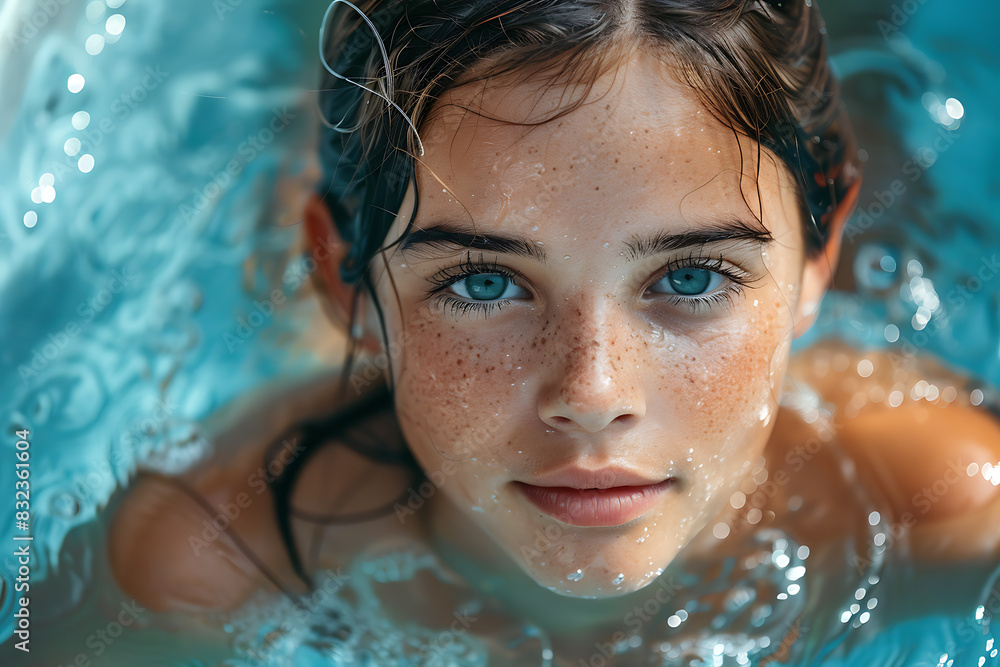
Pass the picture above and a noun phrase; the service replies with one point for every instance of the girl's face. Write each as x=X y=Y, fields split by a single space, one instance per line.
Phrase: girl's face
x=628 y=301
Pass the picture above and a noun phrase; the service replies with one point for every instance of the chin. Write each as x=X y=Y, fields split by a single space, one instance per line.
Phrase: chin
x=654 y=585
x=603 y=573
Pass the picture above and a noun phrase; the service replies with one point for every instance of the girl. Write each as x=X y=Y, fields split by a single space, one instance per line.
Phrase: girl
x=572 y=242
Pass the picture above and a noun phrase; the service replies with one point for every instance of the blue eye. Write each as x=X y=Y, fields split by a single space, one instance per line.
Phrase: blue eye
x=485 y=287
x=690 y=281
x=701 y=283
x=480 y=286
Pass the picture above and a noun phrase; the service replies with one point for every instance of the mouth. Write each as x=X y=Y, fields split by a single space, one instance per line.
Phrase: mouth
x=612 y=506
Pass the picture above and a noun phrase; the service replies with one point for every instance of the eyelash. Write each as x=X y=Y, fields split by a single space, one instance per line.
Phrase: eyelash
x=467 y=268
x=738 y=280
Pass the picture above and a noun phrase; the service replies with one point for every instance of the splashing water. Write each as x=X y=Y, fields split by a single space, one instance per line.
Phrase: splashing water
x=139 y=186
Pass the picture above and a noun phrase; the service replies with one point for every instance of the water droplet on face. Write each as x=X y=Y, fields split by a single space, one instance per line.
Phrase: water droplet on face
x=575 y=576
x=766 y=259
x=619 y=579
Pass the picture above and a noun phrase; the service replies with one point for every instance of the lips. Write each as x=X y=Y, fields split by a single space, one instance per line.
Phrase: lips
x=601 y=478
x=610 y=506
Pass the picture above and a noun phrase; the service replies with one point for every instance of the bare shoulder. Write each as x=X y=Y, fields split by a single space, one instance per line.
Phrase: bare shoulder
x=913 y=432
x=205 y=540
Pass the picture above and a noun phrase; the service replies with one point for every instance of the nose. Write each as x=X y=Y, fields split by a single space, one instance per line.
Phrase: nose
x=595 y=379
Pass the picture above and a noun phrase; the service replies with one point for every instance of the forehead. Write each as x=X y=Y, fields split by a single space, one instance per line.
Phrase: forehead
x=642 y=144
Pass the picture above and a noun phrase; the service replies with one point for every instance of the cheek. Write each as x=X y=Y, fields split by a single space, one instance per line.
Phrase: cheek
x=717 y=393
x=717 y=384
x=453 y=389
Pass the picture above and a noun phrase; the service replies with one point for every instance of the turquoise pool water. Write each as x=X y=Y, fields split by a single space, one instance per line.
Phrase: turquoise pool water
x=130 y=308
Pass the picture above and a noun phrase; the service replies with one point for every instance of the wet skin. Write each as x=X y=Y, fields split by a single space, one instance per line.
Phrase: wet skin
x=592 y=355
x=589 y=358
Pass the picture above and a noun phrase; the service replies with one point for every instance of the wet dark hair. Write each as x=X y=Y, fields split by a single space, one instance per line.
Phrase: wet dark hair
x=759 y=66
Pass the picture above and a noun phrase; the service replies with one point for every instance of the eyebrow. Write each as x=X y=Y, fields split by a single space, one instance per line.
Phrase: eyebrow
x=447 y=238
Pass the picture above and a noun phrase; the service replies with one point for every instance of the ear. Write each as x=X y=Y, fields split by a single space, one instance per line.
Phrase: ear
x=328 y=250
x=819 y=269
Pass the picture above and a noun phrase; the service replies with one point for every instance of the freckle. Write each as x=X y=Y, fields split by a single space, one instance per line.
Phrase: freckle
x=459 y=362
x=616 y=160
x=542 y=341
x=597 y=188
